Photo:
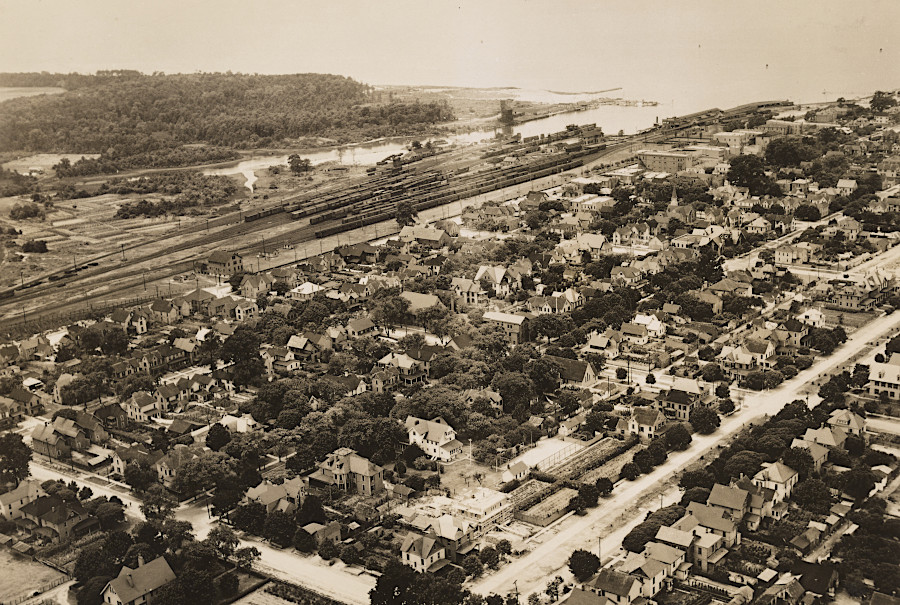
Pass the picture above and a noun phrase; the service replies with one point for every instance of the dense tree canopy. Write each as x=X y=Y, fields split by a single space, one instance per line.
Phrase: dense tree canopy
x=145 y=120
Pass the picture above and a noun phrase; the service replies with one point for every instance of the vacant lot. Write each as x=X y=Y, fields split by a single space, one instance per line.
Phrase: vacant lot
x=20 y=576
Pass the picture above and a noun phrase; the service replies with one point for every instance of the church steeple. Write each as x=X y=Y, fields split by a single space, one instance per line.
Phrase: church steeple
x=674 y=200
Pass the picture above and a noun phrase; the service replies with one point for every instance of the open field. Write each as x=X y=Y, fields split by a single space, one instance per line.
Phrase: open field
x=20 y=575
x=44 y=161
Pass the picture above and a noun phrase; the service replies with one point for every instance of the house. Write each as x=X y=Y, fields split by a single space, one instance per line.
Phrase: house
x=137 y=453
x=826 y=436
x=425 y=236
x=574 y=372
x=31 y=403
x=606 y=344
x=734 y=501
x=223 y=263
x=168 y=467
x=818 y=452
x=142 y=406
x=468 y=291
x=730 y=286
x=330 y=532
x=285 y=497
x=59 y=439
x=618 y=587
x=419 y=302
x=846 y=186
x=678 y=403
x=11 y=413
x=436 y=438
x=634 y=333
x=848 y=421
x=669 y=556
x=422 y=553
x=253 y=285
x=516 y=326
x=363 y=326
x=138 y=586
x=778 y=477
x=403 y=370
x=501 y=279
x=645 y=422
x=348 y=471
x=713 y=520
x=516 y=472
x=11 y=502
x=581 y=596
x=651 y=574
x=885 y=378
x=58 y=520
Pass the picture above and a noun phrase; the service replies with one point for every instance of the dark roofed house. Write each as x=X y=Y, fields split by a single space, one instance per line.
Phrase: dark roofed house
x=574 y=371
x=62 y=519
x=133 y=586
x=732 y=500
x=618 y=587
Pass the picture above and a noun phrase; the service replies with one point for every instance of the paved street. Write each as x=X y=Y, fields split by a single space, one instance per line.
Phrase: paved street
x=535 y=569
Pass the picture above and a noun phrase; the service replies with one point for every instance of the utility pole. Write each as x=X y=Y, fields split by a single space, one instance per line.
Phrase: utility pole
x=123 y=251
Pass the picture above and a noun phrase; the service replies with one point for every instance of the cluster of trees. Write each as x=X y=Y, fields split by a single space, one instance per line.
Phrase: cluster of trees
x=36 y=246
x=201 y=567
x=677 y=438
x=871 y=552
x=282 y=528
x=22 y=211
x=169 y=157
x=12 y=183
x=644 y=532
x=112 y=116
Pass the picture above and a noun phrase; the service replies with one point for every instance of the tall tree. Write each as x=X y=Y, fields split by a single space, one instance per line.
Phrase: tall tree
x=14 y=457
x=406 y=213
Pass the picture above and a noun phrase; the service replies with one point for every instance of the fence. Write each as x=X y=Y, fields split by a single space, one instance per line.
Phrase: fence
x=558 y=456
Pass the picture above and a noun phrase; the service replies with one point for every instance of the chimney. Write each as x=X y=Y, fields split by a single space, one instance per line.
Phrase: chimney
x=130 y=580
x=140 y=560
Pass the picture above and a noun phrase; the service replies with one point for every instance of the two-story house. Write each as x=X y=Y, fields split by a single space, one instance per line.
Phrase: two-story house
x=422 y=553
x=348 y=471
x=11 y=502
x=436 y=438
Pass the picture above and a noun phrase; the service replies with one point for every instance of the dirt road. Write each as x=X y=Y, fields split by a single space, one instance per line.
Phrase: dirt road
x=534 y=570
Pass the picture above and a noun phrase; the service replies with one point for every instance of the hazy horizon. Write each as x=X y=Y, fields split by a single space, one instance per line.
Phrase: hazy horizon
x=694 y=51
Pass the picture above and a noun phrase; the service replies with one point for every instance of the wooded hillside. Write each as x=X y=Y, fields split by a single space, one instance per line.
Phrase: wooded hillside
x=137 y=120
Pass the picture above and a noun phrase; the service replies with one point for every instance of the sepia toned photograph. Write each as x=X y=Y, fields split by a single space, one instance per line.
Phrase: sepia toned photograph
x=507 y=302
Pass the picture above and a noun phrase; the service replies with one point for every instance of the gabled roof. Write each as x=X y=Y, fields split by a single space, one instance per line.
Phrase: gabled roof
x=647 y=416
x=571 y=369
x=132 y=584
x=728 y=497
x=421 y=546
x=615 y=582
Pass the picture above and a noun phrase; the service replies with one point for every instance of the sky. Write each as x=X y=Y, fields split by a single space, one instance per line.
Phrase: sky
x=648 y=47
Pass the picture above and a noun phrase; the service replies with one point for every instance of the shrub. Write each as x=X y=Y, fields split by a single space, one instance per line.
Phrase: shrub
x=228 y=584
x=328 y=550
x=37 y=246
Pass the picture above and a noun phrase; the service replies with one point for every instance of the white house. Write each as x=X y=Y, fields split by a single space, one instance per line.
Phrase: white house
x=436 y=438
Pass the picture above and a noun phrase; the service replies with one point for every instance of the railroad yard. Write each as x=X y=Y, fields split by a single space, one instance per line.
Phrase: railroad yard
x=131 y=260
